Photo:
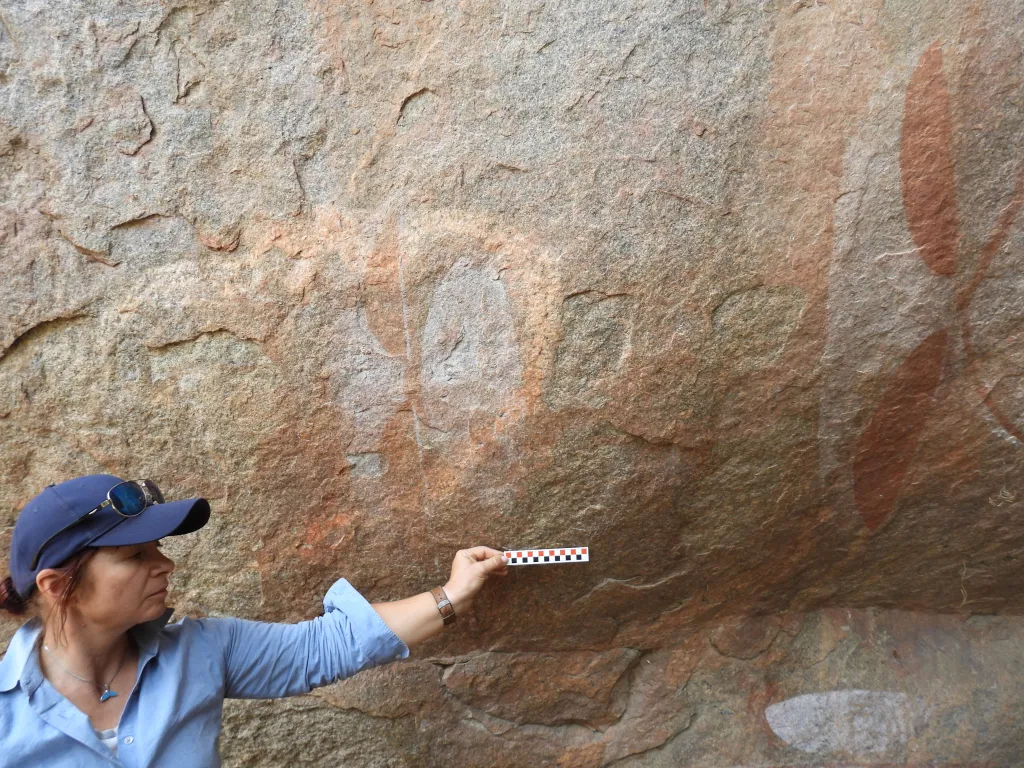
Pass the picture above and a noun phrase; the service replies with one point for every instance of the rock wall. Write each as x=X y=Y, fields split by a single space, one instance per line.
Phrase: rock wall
x=730 y=292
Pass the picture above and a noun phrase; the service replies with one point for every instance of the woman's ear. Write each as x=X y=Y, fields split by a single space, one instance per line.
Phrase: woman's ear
x=50 y=583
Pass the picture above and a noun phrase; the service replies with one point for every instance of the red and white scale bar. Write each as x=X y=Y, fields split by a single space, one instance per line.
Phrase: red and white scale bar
x=546 y=556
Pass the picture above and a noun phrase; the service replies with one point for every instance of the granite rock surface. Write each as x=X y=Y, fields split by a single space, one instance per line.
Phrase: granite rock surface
x=730 y=292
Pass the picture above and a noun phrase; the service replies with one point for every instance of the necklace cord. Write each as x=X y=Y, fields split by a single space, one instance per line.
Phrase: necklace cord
x=106 y=686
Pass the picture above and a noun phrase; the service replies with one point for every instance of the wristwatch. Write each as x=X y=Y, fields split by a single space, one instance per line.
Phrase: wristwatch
x=444 y=605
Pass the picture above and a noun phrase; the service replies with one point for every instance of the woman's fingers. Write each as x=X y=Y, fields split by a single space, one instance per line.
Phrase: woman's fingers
x=470 y=569
x=475 y=564
x=494 y=564
x=481 y=553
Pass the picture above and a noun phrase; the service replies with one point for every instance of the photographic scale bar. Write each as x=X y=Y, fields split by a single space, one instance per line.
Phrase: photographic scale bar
x=548 y=556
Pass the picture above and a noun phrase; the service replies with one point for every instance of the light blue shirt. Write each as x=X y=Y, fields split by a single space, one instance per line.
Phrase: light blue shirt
x=173 y=715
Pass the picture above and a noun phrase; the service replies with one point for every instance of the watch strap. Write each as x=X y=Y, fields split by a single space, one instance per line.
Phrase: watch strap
x=444 y=605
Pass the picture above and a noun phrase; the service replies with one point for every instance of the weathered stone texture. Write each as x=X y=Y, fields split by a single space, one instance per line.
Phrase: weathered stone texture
x=730 y=292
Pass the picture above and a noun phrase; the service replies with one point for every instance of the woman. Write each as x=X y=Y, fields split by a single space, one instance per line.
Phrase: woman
x=98 y=676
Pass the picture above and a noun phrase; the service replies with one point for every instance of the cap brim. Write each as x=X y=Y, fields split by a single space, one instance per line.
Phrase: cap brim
x=172 y=518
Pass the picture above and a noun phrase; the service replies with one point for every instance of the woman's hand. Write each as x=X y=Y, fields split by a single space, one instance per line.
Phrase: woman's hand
x=470 y=569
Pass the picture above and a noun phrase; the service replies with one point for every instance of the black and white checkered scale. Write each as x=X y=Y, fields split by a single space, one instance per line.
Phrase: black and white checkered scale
x=542 y=556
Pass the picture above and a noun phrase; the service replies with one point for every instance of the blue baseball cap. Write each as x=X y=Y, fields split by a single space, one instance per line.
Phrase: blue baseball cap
x=57 y=506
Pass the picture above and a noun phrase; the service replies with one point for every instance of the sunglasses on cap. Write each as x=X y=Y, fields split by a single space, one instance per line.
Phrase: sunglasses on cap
x=128 y=499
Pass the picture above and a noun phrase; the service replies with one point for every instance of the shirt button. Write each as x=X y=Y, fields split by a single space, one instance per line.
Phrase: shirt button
x=128 y=739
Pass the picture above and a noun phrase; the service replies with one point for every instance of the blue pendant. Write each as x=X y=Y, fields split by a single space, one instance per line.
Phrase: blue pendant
x=108 y=694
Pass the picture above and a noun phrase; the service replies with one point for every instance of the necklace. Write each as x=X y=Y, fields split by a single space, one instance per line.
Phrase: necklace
x=106 y=693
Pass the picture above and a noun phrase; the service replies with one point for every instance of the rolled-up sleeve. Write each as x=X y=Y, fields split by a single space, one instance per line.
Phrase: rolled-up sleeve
x=264 y=661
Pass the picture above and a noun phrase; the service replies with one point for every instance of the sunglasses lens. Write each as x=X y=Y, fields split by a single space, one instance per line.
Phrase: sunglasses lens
x=158 y=497
x=128 y=499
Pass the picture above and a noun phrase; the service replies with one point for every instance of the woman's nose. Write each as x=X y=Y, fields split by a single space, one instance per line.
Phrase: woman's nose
x=165 y=563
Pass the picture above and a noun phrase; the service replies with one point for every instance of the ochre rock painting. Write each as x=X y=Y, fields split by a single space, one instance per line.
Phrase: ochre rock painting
x=886 y=448
x=729 y=292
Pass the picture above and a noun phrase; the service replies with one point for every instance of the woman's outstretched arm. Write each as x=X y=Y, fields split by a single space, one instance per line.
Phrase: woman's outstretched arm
x=267 y=660
x=417 y=618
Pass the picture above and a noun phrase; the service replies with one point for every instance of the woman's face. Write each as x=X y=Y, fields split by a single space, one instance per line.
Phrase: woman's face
x=124 y=586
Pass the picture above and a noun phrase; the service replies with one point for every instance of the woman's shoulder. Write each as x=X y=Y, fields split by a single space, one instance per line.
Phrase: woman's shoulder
x=13 y=704
x=15 y=656
x=191 y=631
x=182 y=636
x=10 y=733
x=186 y=648
x=8 y=700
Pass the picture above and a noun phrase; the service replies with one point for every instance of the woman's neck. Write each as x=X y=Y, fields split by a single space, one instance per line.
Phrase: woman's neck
x=88 y=650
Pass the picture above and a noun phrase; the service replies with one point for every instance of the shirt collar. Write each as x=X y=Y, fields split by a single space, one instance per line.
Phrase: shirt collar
x=18 y=651
x=22 y=645
x=147 y=634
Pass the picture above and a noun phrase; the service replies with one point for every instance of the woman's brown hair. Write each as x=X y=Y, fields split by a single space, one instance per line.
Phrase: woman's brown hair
x=10 y=600
x=70 y=578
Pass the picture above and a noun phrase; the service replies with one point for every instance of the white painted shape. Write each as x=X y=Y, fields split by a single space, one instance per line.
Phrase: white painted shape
x=854 y=721
x=470 y=357
x=367 y=464
x=366 y=379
